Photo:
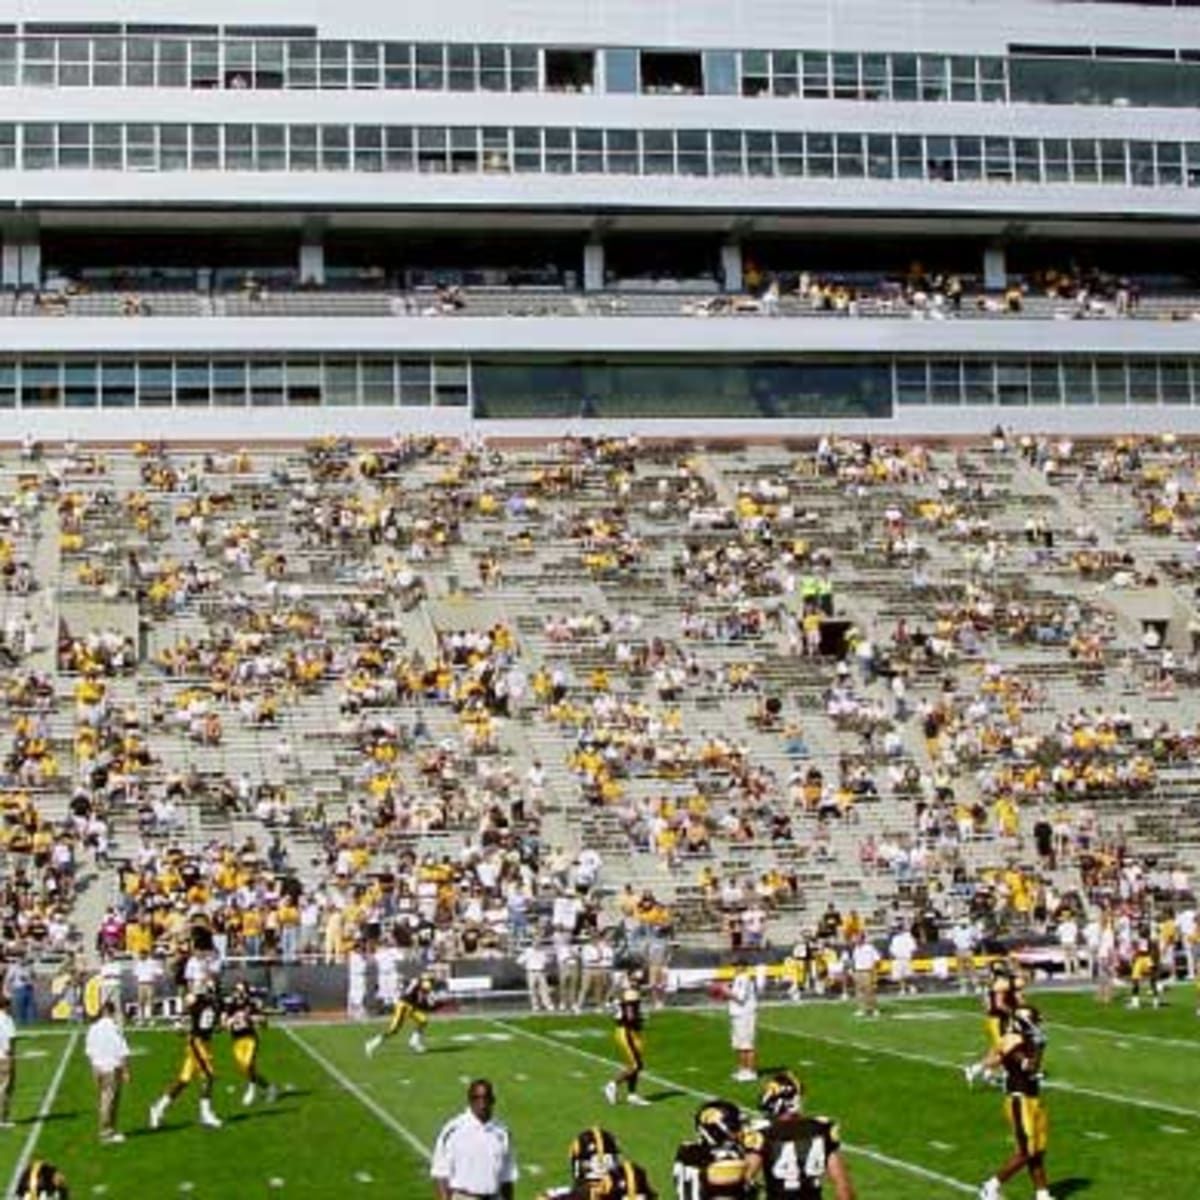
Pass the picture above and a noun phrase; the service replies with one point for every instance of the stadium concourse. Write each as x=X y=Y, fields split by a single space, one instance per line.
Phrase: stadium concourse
x=303 y=701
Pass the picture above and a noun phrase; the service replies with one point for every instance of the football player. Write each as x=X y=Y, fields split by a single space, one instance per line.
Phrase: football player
x=416 y=1002
x=1021 y=1050
x=795 y=1153
x=243 y=1016
x=714 y=1166
x=627 y=1009
x=1145 y=970
x=42 y=1181
x=599 y=1172
x=203 y=1018
x=1002 y=992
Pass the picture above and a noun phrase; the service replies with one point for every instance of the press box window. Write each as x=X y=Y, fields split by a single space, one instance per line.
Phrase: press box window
x=672 y=72
x=570 y=70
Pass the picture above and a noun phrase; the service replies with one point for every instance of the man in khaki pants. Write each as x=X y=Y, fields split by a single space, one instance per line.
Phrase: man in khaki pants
x=108 y=1052
x=8 y=1034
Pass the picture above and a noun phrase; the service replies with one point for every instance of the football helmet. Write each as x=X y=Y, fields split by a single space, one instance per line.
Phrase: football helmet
x=594 y=1153
x=718 y=1123
x=782 y=1094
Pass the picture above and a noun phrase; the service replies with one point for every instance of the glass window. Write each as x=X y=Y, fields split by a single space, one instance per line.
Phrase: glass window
x=229 y=384
x=301 y=64
x=756 y=73
x=523 y=69
x=79 y=384
x=880 y=156
x=266 y=384
x=335 y=147
x=621 y=70
x=692 y=149
x=172 y=63
x=621 y=151
x=8 y=63
x=1110 y=382
x=41 y=384
x=946 y=382
x=845 y=76
x=658 y=152
x=239 y=147
x=239 y=65
x=431 y=149
x=1085 y=167
x=302 y=148
x=364 y=57
x=789 y=153
x=73 y=62
x=8 y=146
x=117 y=384
x=431 y=66
x=912 y=383
x=1079 y=385
x=368 y=148
x=968 y=158
x=341 y=382
x=876 y=84
x=464 y=149
x=963 y=83
x=911 y=156
x=1141 y=164
x=1112 y=160
x=1192 y=173
x=934 y=82
x=74 y=145
x=785 y=73
x=38 y=66
x=173 y=147
x=558 y=151
x=398 y=147
x=992 y=84
x=38 y=148
x=193 y=384
x=816 y=75
x=303 y=384
x=527 y=150
x=461 y=64
x=8 y=383
x=493 y=68
x=379 y=383
x=997 y=159
x=939 y=159
x=451 y=385
x=727 y=152
x=1013 y=382
x=1045 y=386
x=760 y=154
x=979 y=382
x=1027 y=158
x=720 y=73
x=1175 y=383
x=1170 y=163
x=1056 y=160
x=820 y=155
x=589 y=151
x=416 y=383
x=108 y=58
x=155 y=385
x=1143 y=382
x=204 y=65
x=904 y=76
x=397 y=66
x=334 y=65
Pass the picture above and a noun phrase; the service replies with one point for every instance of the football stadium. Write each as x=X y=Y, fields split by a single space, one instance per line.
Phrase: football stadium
x=600 y=600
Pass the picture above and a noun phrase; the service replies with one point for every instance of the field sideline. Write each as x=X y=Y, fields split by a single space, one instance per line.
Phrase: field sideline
x=1124 y=1107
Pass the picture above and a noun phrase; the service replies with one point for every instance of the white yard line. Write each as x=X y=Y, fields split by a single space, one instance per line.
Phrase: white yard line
x=1060 y=1085
x=366 y=1101
x=42 y=1113
x=878 y=1156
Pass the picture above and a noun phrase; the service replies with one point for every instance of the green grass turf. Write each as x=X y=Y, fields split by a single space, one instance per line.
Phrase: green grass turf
x=1124 y=1105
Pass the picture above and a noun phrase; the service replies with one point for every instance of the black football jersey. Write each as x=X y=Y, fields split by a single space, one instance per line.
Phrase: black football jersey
x=203 y=1016
x=704 y=1172
x=795 y=1151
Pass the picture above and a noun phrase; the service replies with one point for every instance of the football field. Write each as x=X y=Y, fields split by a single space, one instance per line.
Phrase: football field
x=1122 y=1093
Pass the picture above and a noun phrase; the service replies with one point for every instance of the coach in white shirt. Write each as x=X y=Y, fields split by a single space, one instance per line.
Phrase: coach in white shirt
x=473 y=1158
x=108 y=1052
x=743 y=1017
x=8 y=1057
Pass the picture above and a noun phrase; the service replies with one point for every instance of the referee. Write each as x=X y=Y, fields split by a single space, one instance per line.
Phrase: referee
x=473 y=1158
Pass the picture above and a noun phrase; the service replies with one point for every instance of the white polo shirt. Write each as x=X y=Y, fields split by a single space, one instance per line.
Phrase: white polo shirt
x=106 y=1047
x=8 y=1031
x=474 y=1156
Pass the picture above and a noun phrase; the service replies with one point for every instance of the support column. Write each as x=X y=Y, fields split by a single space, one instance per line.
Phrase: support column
x=731 y=266
x=995 y=269
x=312 y=261
x=593 y=266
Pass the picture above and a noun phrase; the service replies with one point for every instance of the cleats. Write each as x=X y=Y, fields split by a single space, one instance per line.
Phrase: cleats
x=638 y=1101
x=610 y=1092
x=157 y=1109
x=373 y=1044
